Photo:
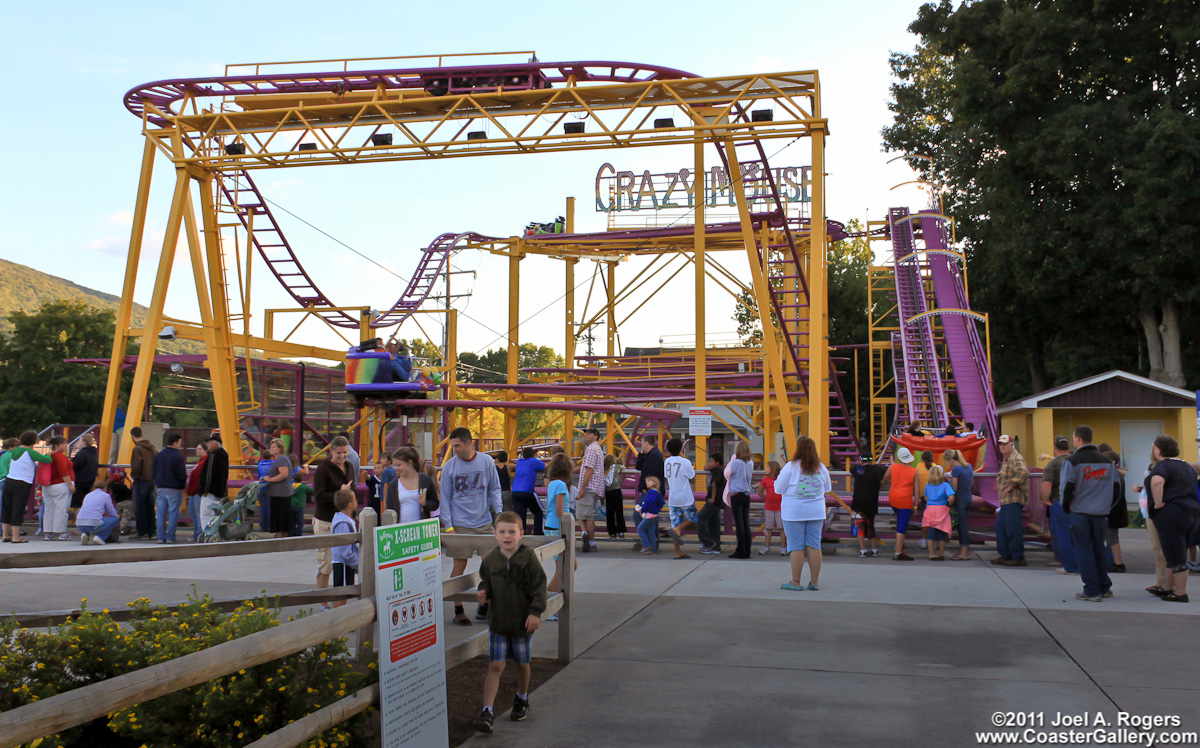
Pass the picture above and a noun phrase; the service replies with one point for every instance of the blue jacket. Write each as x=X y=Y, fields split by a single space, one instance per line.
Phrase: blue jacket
x=652 y=503
x=526 y=474
x=170 y=469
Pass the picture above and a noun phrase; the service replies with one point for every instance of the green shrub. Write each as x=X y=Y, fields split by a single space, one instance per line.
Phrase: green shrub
x=229 y=711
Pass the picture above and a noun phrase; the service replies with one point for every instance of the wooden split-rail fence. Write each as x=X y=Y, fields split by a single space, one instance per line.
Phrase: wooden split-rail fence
x=82 y=705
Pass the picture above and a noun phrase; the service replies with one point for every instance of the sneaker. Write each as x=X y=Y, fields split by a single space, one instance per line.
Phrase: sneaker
x=1106 y=593
x=874 y=553
x=481 y=614
x=710 y=551
x=485 y=721
x=764 y=550
x=65 y=536
x=1194 y=566
x=84 y=539
x=998 y=560
x=862 y=553
x=1083 y=596
x=162 y=542
x=1014 y=562
x=97 y=541
x=552 y=618
x=922 y=542
x=1116 y=568
x=592 y=548
x=520 y=709
x=901 y=557
x=1066 y=573
x=783 y=551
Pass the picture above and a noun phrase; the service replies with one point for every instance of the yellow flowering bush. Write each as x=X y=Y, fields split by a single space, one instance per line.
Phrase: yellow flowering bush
x=229 y=711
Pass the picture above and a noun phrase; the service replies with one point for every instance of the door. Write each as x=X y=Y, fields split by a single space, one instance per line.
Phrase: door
x=1137 y=437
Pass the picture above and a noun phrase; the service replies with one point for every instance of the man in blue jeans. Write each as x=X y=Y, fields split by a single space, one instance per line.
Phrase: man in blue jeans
x=170 y=478
x=1013 y=486
x=1089 y=486
x=1060 y=530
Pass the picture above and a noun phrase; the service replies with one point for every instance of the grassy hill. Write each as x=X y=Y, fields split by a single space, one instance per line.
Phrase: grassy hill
x=23 y=289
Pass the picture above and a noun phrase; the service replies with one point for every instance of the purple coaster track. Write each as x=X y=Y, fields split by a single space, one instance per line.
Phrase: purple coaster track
x=164 y=95
x=922 y=375
x=968 y=356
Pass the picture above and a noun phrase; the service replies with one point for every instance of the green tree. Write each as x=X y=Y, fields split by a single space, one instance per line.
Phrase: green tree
x=492 y=368
x=1064 y=139
x=39 y=389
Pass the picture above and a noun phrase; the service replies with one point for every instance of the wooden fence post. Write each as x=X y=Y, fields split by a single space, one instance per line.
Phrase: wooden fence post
x=368 y=520
x=388 y=517
x=566 y=615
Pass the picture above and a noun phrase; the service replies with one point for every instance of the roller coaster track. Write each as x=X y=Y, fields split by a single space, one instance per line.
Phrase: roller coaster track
x=160 y=100
x=242 y=195
x=922 y=375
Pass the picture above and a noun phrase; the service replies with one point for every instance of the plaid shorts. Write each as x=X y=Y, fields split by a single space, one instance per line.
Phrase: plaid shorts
x=681 y=514
x=515 y=648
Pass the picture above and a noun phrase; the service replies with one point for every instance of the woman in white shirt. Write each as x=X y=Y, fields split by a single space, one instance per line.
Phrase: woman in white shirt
x=410 y=489
x=804 y=483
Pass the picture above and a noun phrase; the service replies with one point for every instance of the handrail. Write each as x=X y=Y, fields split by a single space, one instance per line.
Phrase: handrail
x=93 y=556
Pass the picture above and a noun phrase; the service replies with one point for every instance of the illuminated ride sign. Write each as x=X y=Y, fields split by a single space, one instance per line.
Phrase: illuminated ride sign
x=626 y=191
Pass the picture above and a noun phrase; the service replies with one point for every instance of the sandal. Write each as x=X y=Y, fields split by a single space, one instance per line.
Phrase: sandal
x=19 y=540
x=792 y=587
x=686 y=555
x=812 y=586
x=1157 y=591
x=959 y=558
x=937 y=558
x=461 y=619
x=1171 y=597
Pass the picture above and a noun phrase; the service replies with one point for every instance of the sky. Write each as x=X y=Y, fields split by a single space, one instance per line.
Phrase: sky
x=71 y=151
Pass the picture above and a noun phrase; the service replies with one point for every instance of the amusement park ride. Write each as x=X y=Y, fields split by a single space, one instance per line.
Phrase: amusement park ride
x=218 y=132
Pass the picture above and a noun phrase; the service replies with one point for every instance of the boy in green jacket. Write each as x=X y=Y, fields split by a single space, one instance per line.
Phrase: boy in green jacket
x=512 y=581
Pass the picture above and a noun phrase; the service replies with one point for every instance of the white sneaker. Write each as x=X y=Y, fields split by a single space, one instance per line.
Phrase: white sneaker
x=783 y=551
x=96 y=540
x=84 y=539
x=922 y=542
x=862 y=553
x=764 y=550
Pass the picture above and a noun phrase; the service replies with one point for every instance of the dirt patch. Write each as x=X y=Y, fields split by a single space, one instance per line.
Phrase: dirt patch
x=464 y=693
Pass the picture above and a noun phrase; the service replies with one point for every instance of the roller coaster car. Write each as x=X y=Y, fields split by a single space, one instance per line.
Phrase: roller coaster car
x=369 y=377
x=516 y=79
x=968 y=445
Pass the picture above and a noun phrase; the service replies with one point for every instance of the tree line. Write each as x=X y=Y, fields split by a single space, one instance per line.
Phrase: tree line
x=1064 y=139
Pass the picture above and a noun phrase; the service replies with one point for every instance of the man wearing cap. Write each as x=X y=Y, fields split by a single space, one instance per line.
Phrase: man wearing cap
x=1013 y=486
x=901 y=478
x=1060 y=531
x=591 y=487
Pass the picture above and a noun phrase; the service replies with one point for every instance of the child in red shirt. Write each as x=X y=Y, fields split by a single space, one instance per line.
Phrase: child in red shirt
x=56 y=497
x=772 y=502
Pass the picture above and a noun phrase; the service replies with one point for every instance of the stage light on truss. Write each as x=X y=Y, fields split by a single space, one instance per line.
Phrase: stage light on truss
x=235 y=149
x=307 y=147
x=168 y=333
x=176 y=368
x=477 y=135
x=383 y=138
x=573 y=128
x=762 y=115
x=665 y=122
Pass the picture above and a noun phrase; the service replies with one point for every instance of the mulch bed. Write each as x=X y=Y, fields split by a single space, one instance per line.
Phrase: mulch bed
x=464 y=693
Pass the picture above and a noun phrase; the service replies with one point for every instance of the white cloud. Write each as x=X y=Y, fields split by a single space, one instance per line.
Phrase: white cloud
x=121 y=218
x=109 y=246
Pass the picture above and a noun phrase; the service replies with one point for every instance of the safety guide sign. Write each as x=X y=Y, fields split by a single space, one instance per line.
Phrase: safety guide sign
x=412 y=655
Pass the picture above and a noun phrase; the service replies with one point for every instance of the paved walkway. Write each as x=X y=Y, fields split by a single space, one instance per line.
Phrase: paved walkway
x=710 y=652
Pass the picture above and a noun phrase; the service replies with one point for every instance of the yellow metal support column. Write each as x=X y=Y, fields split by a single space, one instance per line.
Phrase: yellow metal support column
x=610 y=328
x=145 y=362
x=701 y=331
x=772 y=347
x=568 y=431
x=818 y=298
x=221 y=364
x=514 y=346
x=125 y=309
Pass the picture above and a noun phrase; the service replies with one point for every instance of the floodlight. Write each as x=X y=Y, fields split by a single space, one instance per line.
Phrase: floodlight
x=573 y=128
x=235 y=149
x=659 y=124
x=168 y=333
x=762 y=115
x=383 y=138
